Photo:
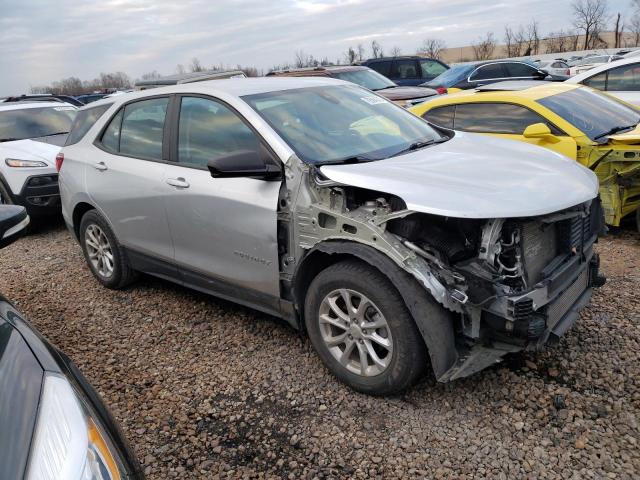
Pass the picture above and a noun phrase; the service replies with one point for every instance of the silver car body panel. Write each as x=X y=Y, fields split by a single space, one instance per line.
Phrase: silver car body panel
x=474 y=176
x=130 y=194
x=225 y=228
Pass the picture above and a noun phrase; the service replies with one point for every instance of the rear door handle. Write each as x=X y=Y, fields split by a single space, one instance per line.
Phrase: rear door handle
x=178 y=182
x=100 y=166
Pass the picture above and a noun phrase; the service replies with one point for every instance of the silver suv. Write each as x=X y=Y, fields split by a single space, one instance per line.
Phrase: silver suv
x=388 y=241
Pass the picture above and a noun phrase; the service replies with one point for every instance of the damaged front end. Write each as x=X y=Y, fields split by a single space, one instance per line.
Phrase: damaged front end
x=503 y=285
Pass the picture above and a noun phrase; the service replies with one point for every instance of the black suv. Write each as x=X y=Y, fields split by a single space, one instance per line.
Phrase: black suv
x=407 y=70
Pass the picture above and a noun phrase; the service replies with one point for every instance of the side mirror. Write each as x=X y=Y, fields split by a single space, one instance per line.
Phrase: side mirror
x=242 y=163
x=537 y=130
x=542 y=74
x=13 y=222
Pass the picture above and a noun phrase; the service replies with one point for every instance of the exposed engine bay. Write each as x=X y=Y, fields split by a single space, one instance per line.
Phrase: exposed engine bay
x=508 y=284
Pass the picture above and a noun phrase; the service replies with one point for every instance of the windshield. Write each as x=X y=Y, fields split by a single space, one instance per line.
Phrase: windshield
x=591 y=112
x=336 y=124
x=365 y=78
x=35 y=122
x=451 y=77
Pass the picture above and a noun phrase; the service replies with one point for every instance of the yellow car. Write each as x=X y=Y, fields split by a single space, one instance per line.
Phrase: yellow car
x=595 y=129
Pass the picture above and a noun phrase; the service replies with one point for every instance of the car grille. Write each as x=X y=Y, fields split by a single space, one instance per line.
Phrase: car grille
x=559 y=307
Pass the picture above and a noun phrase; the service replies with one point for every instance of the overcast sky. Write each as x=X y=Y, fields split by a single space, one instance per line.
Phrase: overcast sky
x=45 y=40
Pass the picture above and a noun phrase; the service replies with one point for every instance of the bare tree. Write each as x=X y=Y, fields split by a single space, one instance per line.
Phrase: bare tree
x=634 y=28
x=196 y=66
x=619 y=28
x=303 y=60
x=511 y=43
x=533 y=38
x=589 y=17
x=350 y=56
x=395 y=51
x=180 y=69
x=376 y=49
x=432 y=48
x=483 y=50
x=361 y=52
x=557 y=42
x=150 y=75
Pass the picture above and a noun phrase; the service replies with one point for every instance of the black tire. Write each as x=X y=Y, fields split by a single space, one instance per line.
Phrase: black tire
x=122 y=274
x=409 y=356
x=5 y=196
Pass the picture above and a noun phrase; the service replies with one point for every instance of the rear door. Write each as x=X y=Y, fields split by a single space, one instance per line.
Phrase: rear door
x=430 y=69
x=509 y=121
x=125 y=176
x=224 y=229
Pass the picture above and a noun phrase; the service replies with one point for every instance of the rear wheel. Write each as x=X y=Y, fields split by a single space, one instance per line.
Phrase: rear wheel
x=362 y=330
x=103 y=253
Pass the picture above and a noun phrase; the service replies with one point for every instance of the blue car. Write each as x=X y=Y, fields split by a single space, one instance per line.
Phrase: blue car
x=409 y=71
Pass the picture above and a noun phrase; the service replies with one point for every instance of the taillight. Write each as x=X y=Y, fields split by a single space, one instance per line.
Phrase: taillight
x=441 y=90
x=568 y=71
x=59 y=160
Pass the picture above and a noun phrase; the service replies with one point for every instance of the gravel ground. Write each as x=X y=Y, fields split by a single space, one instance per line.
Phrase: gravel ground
x=206 y=389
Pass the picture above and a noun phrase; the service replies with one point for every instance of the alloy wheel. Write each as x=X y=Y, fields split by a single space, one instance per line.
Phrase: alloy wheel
x=99 y=250
x=355 y=332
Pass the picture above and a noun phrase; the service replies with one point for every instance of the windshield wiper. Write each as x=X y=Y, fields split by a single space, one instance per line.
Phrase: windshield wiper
x=52 y=134
x=418 y=146
x=10 y=139
x=385 y=88
x=617 y=129
x=351 y=159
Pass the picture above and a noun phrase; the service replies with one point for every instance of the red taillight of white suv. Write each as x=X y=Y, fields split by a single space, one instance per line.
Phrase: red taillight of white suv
x=59 y=160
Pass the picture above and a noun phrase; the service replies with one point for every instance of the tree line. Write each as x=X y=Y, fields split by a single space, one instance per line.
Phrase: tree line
x=590 y=18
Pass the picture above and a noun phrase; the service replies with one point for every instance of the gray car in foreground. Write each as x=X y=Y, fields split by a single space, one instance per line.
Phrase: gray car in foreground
x=315 y=200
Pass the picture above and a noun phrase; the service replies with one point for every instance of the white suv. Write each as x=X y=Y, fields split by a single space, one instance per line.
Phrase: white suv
x=325 y=204
x=31 y=135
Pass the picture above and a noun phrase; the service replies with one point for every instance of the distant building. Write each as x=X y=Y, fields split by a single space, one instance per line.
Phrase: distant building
x=571 y=44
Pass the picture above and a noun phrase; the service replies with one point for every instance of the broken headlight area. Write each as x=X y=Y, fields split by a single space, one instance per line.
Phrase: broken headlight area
x=518 y=281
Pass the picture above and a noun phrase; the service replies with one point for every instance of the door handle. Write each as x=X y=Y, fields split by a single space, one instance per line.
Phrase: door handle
x=178 y=182
x=100 y=166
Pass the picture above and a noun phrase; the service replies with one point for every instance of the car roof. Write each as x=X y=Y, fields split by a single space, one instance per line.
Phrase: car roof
x=530 y=91
x=22 y=105
x=601 y=68
x=234 y=86
x=319 y=70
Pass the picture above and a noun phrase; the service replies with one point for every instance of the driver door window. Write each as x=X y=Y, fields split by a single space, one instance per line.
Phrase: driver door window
x=496 y=118
x=208 y=129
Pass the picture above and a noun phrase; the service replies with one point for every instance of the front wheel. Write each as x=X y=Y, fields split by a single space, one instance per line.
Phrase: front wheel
x=362 y=330
x=103 y=253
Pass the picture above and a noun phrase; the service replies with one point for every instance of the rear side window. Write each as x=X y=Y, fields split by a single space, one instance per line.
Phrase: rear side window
x=137 y=130
x=85 y=119
x=441 y=116
x=496 y=118
x=516 y=69
x=383 y=68
x=487 y=72
x=405 y=69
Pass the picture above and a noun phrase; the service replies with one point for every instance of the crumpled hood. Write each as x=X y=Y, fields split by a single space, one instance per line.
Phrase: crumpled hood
x=474 y=176
x=31 y=149
x=407 y=93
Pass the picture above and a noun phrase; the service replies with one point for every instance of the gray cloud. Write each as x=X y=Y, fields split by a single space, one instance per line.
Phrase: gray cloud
x=43 y=40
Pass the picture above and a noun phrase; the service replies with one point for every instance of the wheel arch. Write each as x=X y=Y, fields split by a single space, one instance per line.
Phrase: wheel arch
x=435 y=323
x=76 y=217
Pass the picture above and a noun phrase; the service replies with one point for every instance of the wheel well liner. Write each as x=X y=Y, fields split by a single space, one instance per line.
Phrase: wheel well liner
x=78 y=212
x=433 y=321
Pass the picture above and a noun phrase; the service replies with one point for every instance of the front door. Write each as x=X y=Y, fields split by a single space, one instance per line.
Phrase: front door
x=224 y=230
